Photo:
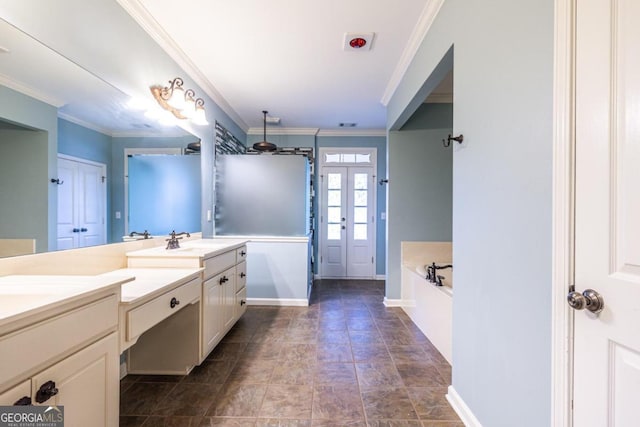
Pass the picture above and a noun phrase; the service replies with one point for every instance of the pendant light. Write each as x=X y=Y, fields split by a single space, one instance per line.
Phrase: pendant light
x=265 y=145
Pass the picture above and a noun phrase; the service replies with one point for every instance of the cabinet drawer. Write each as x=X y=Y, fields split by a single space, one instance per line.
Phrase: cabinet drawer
x=216 y=264
x=32 y=346
x=241 y=279
x=12 y=395
x=241 y=254
x=241 y=303
x=146 y=316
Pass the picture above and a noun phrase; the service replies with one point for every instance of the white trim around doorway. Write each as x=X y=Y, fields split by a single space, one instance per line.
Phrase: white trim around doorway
x=562 y=212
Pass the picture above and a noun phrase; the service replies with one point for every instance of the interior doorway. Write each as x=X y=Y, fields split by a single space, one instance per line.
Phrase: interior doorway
x=347 y=213
x=82 y=203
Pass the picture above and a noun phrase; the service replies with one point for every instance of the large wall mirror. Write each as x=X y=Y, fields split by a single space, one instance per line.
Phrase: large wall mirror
x=57 y=148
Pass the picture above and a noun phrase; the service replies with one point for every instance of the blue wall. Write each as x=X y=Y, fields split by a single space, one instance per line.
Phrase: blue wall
x=78 y=141
x=40 y=159
x=502 y=202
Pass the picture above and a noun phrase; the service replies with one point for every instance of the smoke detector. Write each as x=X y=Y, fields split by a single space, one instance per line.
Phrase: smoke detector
x=357 y=41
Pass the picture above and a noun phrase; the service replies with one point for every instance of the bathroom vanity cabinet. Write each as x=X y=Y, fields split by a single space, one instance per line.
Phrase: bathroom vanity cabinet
x=222 y=290
x=63 y=350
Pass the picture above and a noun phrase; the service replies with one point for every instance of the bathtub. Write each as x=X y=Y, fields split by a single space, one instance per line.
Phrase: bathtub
x=429 y=306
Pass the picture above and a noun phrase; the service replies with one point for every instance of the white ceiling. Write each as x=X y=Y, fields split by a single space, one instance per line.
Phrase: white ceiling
x=285 y=56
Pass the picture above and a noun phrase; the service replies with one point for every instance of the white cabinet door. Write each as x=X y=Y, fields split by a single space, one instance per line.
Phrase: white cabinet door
x=212 y=309
x=88 y=385
x=607 y=259
x=228 y=298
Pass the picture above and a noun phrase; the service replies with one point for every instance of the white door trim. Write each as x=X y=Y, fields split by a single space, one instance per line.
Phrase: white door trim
x=374 y=165
x=562 y=212
x=170 y=151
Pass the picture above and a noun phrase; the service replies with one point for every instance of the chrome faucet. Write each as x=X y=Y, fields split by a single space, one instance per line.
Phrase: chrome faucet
x=173 y=241
x=145 y=234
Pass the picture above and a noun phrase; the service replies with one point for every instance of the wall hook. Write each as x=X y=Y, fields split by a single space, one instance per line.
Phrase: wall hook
x=458 y=139
x=383 y=181
x=56 y=181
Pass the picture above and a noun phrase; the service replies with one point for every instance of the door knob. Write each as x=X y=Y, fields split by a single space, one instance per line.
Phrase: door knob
x=589 y=299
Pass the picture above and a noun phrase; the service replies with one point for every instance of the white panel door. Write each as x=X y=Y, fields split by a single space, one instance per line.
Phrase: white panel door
x=91 y=210
x=360 y=222
x=68 y=231
x=333 y=245
x=347 y=221
x=607 y=254
x=81 y=204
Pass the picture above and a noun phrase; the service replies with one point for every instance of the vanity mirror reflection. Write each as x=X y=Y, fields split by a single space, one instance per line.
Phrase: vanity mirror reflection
x=51 y=109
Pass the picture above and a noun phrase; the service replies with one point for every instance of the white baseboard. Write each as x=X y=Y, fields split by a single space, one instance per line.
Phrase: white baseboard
x=462 y=409
x=395 y=302
x=282 y=302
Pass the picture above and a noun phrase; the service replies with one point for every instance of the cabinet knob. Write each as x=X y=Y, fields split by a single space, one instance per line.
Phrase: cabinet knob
x=23 y=401
x=243 y=253
x=242 y=302
x=46 y=391
x=224 y=279
x=76 y=230
x=83 y=230
x=243 y=274
x=174 y=302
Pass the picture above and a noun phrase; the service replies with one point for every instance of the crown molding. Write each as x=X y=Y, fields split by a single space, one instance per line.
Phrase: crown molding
x=283 y=131
x=420 y=31
x=29 y=91
x=439 y=98
x=354 y=132
x=142 y=16
x=84 y=124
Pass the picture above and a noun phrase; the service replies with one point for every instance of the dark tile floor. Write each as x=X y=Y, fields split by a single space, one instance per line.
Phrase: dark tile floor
x=346 y=360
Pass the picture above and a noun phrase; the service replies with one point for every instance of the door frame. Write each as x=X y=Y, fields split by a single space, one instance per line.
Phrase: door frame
x=105 y=177
x=563 y=212
x=374 y=165
x=167 y=151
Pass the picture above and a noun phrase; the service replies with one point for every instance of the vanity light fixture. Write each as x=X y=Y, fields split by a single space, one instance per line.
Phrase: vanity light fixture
x=180 y=102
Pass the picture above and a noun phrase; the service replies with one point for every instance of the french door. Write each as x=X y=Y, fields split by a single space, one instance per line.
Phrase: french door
x=347 y=235
x=606 y=377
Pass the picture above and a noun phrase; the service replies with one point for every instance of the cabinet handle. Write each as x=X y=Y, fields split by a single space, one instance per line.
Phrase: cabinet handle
x=76 y=230
x=243 y=253
x=45 y=391
x=23 y=401
x=242 y=302
x=83 y=230
x=174 y=302
x=243 y=275
x=223 y=279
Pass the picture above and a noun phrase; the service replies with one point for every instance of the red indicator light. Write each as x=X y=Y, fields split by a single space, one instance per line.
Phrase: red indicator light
x=357 y=43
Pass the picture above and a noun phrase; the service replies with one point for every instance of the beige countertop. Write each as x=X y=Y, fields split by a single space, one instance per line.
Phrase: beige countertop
x=22 y=296
x=151 y=282
x=202 y=248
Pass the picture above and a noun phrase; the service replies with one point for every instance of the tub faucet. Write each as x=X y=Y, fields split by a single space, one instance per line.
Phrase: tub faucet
x=145 y=234
x=432 y=275
x=173 y=241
